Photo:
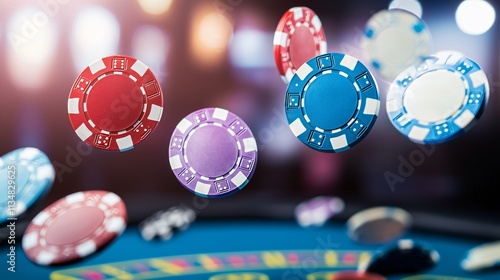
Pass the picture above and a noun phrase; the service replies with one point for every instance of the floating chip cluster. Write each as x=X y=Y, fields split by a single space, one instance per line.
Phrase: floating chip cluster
x=331 y=103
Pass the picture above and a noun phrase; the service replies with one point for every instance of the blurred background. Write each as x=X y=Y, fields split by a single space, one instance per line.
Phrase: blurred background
x=219 y=53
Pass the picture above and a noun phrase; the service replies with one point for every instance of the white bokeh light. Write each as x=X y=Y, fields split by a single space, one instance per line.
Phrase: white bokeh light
x=151 y=46
x=412 y=6
x=249 y=48
x=95 y=34
x=32 y=40
x=475 y=17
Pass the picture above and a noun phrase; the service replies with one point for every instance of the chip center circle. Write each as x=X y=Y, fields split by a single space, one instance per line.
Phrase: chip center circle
x=396 y=46
x=330 y=101
x=435 y=96
x=302 y=47
x=22 y=176
x=115 y=103
x=64 y=230
x=211 y=151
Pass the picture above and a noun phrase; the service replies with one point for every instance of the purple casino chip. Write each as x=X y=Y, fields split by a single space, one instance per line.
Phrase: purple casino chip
x=317 y=211
x=213 y=152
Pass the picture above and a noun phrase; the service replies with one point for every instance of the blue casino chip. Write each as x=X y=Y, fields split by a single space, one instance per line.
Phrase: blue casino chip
x=332 y=102
x=29 y=173
x=439 y=99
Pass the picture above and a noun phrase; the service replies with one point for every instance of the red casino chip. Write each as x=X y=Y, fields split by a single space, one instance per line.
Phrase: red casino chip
x=298 y=38
x=74 y=227
x=115 y=103
x=355 y=275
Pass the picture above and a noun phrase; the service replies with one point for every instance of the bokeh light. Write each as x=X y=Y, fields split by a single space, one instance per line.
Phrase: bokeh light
x=475 y=17
x=151 y=46
x=95 y=34
x=155 y=7
x=249 y=48
x=210 y=35
x=31 y=45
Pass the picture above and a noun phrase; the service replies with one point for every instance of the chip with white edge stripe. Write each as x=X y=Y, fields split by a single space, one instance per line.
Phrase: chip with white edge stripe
x=332 y=102
x=213 y=152
x=74 y=227
x=115 y=103
x=439 y=99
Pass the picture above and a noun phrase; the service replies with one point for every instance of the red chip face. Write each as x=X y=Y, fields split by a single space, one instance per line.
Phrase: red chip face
x=74 y=227
x=298 y=38
x=115 y=103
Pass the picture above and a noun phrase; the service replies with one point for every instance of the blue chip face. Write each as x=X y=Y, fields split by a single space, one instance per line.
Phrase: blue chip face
x=439 y=99
x=27 y=175
x=332 y=102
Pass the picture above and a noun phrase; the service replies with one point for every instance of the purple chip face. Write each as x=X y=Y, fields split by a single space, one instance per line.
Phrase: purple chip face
x=213 y=152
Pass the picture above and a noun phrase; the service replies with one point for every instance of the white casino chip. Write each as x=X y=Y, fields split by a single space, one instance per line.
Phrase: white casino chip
x=394 y=40
x=439 y=99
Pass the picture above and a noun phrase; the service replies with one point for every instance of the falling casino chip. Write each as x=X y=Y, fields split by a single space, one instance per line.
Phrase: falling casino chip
x=394 y=40
x=355 y=275
x=439 y=99
x=213 y=152
x=412 y=6
x=299 y=37
x=403 y=257
x=163 y=224
x=378 y=225
x=74 y=227
x=115 y=103
x=30 y=173
x=317 y=211
x=332 y=102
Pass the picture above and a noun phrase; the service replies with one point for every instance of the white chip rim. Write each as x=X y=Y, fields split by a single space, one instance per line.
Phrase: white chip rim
x=375 y=214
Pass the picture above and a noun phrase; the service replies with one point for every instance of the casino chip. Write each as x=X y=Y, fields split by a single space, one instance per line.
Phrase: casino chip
x=317 y=211
x=115 y=103
x=412 y=6
x=483 y=257
x=164 y=223
x=28 y=172
x=332 y=102
x=213 y=153
x=356 y=275
x=404 y=257
x=378 y=225
x=299 y=37
x=74 y=227
x=439 y=99
x=394 y=40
